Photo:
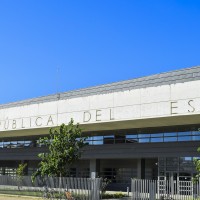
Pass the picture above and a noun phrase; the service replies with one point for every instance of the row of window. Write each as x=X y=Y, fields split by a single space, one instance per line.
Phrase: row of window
x=144 y=138
x=19 y=144
x=116 y=139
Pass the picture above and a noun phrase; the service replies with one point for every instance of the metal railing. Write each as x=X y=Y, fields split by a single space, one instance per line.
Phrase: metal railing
x=164 y=190
x=52 y=187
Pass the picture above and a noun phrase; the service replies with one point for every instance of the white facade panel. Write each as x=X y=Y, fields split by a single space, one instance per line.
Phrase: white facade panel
x=155 y=94
x=185 y=90
x=125 y=98
x=73 y=105
x=153 y=102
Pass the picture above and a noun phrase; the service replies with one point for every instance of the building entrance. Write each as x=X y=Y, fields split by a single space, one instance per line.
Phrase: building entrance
x=173 y=172
x=175 y=169
x=171 y=178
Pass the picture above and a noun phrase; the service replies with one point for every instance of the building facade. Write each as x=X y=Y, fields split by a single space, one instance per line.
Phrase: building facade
x=142 y=128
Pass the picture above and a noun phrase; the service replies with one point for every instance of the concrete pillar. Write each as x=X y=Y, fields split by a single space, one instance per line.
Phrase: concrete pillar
x=94 y=168
x=141 y=168
x=138 y=168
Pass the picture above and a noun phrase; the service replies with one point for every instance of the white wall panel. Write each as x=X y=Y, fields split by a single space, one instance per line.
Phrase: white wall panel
x=153 y=102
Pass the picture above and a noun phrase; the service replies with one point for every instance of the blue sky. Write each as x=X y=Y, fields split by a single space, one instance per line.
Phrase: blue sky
x=48 y=46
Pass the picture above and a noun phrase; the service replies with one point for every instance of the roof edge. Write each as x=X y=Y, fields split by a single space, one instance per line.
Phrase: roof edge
x=164 y=78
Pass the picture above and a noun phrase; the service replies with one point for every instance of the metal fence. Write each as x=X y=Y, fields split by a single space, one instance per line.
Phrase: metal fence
x=164 y=190
x=52 y=187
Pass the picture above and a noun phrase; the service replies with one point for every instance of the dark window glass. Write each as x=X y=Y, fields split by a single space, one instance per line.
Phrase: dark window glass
x=195 y=137
x=195 y=133
x=184 y=138
x=160 y=139
x=97 y=140
x=170 y=134
x=143 y=135
x=170 y=139
x=109 y=139
x=157 y=135
x=132 y=136
x=143 y=140
x=184 y=133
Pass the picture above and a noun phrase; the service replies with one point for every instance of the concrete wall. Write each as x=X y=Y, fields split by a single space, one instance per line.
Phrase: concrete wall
x=125 y=109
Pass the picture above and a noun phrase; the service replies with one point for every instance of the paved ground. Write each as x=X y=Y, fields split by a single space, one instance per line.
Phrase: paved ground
x=3 y=197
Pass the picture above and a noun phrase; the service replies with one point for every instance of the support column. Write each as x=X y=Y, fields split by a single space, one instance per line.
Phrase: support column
x=139 y=168
x=142 y=168
x=94 y=168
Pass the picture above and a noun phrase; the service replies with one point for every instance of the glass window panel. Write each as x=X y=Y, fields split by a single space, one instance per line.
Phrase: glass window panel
x=143 y=135
x=119 y=139
x=131 y=136
x=13 y=144
x=89 y=141
x=184 y=138
x=97 y=140
x=27 y=143
x=143 y=140
x=172 y=160
x=187 y=158
x=195 y=133
x=170 y=139
x=98 y=137
x=108 y=139
x=195 y=137
x=131 y=140
x=108 y=136
x=20 y=144
x=157 y=135
x=170 y=134
x=184 y=133
x=160 y=139
x=6 y=145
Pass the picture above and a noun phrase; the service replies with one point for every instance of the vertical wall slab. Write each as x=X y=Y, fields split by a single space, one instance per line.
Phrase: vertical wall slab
x=94 y=168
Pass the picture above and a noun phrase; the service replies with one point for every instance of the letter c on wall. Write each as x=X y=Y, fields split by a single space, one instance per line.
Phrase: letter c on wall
x=38 y=121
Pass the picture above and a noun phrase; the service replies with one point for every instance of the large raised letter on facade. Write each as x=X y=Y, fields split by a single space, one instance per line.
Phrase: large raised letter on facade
x=14 y=124
x=38 y=121
x=50 y=120
x=98 y=115
x=111 y=115
x=192 y=109
x=6 y=124
x=86 y=116
x=173 y=107
x=23 y=123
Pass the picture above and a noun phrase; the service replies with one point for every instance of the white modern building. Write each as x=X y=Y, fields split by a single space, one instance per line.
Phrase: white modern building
x=144 y=128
